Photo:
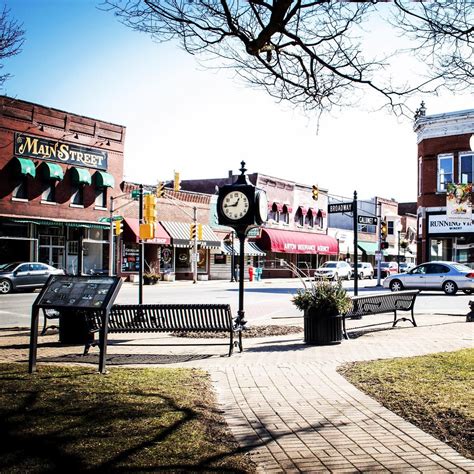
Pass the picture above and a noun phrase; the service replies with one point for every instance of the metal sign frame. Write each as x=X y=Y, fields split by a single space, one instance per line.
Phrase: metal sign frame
x=81 y=293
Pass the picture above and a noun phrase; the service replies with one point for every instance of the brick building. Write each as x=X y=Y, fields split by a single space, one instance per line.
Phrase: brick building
x=58 y=171
x=296 y=230
x=444 y=156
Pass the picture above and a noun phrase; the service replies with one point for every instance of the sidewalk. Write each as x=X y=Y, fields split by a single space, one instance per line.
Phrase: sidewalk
x=286 y=404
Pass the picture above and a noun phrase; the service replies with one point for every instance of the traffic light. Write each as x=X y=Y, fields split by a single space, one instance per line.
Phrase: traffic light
x=118 y=226
x=147 y=231
x=383 y=229
x=192 y=231
x=160 y=189
x=315 y=192
x=176 y=185
x=384 y=245
x=149 y=211
x=199 y=231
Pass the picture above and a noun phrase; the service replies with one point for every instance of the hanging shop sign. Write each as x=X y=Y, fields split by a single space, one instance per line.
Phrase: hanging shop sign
x=44 y=149
x=458 y=202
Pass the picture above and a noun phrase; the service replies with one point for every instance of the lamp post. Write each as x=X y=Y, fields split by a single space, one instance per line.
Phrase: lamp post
x=399 y=230
x=232 y=259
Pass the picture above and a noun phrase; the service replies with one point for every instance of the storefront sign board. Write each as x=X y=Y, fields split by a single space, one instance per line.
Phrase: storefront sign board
x=440 y=224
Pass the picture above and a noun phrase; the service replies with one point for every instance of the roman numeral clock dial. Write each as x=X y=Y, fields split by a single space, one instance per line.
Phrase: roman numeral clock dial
x=235 y=205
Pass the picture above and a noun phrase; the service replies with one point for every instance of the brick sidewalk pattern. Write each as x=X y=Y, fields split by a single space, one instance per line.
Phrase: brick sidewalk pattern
x=286 y=404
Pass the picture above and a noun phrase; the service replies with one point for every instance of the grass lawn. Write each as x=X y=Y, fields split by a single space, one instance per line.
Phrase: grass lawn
x=130 y=420
x=434 y=392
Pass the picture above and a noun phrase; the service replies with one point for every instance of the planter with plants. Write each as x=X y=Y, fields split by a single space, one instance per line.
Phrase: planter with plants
x=323 y=305
x=150 y=278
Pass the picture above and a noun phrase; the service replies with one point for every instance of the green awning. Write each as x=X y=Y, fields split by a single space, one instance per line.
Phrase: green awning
x=81 y=176
x=368 y=247
x=52 y=171
x=104 y=180
x=25 y=167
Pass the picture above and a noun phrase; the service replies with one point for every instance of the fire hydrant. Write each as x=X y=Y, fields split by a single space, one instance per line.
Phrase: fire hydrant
x=250 y=273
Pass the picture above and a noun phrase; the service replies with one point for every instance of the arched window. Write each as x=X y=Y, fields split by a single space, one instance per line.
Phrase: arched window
x=274 y=214
x=309 y=220
x=300 y=216
x=285 y=214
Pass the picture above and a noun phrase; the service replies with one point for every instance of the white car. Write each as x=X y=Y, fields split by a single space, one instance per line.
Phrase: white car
x=365 y=270
x=334 y=271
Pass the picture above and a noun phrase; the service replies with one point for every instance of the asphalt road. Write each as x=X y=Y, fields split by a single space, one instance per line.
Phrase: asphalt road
x=266 y=302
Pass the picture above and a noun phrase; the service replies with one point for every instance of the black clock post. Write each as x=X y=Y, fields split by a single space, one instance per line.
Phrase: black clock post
x=242 y=206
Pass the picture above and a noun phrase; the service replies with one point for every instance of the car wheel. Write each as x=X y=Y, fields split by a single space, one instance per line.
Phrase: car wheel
x=396 y=285
x=5 y=286
x=467 y=292
x=450 y=288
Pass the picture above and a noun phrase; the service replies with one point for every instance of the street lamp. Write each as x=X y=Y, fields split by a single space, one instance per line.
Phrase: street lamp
x=399 y=230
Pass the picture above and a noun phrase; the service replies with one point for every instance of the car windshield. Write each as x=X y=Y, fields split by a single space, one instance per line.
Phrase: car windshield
x=8 y=267
x=329 y=265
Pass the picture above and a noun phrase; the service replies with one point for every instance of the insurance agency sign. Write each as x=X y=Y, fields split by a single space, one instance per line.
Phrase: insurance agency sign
x=44 y=149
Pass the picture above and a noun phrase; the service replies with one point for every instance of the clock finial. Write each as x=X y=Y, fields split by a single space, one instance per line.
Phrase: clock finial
x=242 y=167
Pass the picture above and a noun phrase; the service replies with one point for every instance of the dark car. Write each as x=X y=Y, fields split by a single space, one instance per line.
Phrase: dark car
x=25 y=276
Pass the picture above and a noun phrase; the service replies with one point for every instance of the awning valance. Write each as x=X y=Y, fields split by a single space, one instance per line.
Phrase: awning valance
x=251 y=249
x=286 y=241
x=180 y=235
x=368 y=247
x=52 y=171
x=81 y=176
x=133 y=226
x=51 y=222
x=25 y=167
x=103 y=179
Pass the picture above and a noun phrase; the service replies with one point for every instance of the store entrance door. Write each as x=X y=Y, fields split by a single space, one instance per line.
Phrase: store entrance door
x=51 y=250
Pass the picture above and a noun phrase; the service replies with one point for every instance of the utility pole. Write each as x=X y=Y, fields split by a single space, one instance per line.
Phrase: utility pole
x=111 y=238
x=195 y=240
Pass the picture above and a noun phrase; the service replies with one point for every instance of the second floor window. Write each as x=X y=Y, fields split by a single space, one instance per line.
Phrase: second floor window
x=466 y=168
x=21 y=189
x=101 y=197
x=78 y=196
x=445 y=171
x=49 y=192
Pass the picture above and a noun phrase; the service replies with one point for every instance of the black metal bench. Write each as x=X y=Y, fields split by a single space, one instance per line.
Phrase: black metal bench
x=382 y=303
x=151 y=318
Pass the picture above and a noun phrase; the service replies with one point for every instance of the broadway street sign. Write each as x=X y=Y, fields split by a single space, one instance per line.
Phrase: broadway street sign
x=340 y=207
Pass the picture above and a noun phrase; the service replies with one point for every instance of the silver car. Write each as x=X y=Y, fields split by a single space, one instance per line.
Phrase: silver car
x=446 y=276
x=25 y=275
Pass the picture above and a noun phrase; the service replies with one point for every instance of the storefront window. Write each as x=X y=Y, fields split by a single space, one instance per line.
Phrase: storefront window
x=183 y=260
x=130 y=258
x=441 y=249
x=166 y=259
x=466 y=167
x=445 y=171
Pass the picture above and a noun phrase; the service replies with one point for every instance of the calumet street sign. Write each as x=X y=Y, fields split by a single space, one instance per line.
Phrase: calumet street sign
x=340 y=207
x=367 y=220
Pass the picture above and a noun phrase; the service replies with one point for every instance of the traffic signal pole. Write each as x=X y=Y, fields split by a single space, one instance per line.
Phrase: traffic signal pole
x=140 y=247
x=111 y=238
x=356 y=228
x=379 y=228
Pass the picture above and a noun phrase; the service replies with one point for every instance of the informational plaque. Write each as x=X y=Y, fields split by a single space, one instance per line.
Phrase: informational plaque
x=91 y=292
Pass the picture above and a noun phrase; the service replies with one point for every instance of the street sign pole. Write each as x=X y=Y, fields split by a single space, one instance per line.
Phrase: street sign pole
x=140 y=247
x=379 y=233
x=356 y=270
x=111 y=238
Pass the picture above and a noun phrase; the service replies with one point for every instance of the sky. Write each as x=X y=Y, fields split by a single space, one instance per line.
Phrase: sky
x=202 y=123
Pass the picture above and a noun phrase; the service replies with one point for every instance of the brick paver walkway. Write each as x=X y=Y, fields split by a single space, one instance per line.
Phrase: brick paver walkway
x=286 y=404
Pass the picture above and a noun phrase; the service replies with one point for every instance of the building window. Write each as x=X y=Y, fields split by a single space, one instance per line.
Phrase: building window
x=299 y=217
x=310 y=218
x=445 y=171
x=285 y=215
x=101 y=197
x=49 y=192
x=78 y=196
x=466 y=167
x=390 y=227
x=21 y=189
x=274 y=215
x=420 y=175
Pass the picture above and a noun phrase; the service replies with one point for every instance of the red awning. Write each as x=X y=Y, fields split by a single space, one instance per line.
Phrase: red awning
x=286 y=241
x=133 y=232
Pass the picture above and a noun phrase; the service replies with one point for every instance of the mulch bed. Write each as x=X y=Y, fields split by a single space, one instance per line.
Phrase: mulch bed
x=252 y=331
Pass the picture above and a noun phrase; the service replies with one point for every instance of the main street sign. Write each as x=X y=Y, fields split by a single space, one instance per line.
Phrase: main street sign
x=340 y=207
x=367 y=220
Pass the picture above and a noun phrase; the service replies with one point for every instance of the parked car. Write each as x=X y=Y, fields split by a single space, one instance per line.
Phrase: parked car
x=387 y=269
x=404 y=267
x=25 y=275
x=334 y=271
x=446 y=276
x=365 y=270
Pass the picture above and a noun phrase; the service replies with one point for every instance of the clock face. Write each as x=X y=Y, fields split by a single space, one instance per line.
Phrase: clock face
x=263 y=206
x=235 y=205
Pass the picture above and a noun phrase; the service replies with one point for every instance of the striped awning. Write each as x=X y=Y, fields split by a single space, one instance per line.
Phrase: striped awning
x=180 y=235
x=251 y=249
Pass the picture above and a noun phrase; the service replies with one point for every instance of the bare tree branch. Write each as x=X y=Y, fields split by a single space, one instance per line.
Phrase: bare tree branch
x=316 y=54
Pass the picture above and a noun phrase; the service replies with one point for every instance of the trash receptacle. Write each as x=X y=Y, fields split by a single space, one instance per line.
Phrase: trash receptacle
x=73 y=328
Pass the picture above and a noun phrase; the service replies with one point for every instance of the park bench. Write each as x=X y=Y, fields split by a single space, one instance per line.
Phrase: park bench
x=155 y=318
x=382 y=303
